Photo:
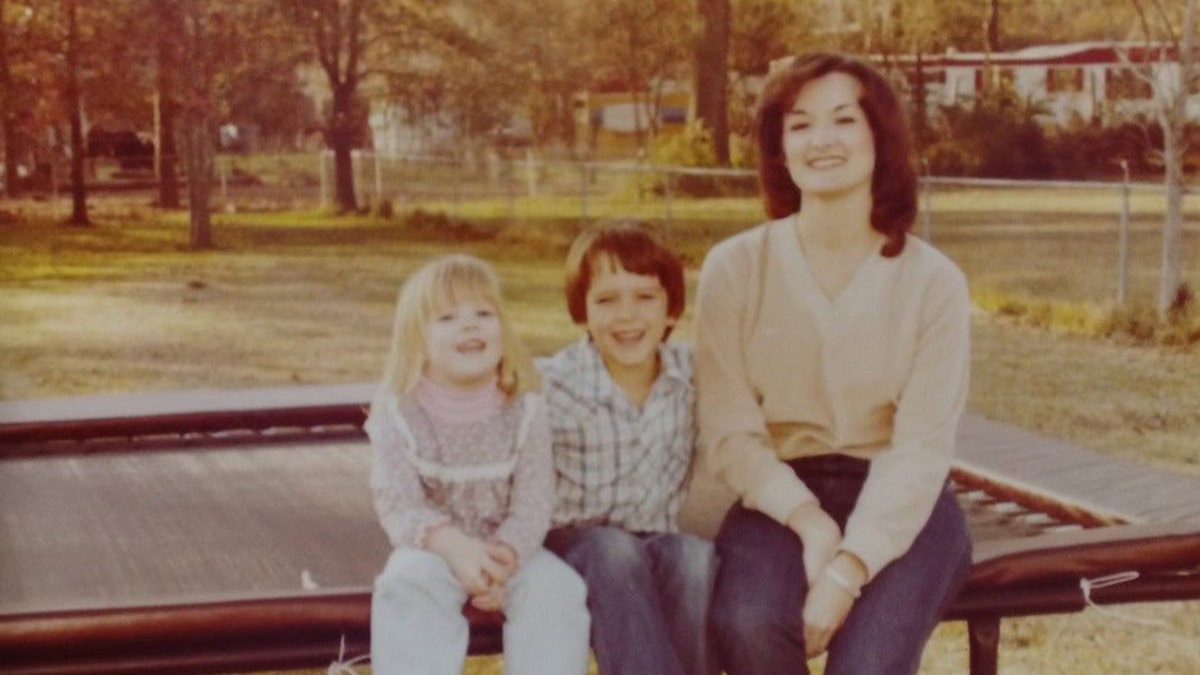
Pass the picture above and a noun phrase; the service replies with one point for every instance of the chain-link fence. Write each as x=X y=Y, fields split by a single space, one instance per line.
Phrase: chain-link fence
x=1069 y=241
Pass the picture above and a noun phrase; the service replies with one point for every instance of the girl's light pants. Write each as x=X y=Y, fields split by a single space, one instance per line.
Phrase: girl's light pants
x=418 y=628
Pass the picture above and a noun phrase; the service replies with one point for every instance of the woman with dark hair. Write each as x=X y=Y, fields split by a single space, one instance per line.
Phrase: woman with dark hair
x=832 y=356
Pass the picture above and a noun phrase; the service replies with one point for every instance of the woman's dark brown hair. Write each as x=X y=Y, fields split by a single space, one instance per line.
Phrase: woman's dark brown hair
x=894 y=181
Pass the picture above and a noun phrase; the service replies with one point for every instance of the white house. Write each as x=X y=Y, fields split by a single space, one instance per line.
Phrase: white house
x=1074 y=82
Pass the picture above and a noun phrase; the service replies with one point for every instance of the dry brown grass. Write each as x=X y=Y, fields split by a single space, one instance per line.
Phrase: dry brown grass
x=302 y=298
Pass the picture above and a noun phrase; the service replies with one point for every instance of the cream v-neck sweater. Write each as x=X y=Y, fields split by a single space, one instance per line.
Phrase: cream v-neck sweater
x=878 y=372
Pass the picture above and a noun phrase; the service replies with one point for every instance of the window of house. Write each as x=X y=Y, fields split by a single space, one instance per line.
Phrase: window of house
x=1064 y=80
x=1124 y=83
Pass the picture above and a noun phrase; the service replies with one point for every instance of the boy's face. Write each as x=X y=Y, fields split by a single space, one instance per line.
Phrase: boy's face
x=626 y=315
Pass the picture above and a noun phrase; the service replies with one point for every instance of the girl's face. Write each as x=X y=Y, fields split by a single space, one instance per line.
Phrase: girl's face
x=463 y=345
x=626 y=315
x=827 y=140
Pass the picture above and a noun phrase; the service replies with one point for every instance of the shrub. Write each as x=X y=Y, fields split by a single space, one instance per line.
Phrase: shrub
x=692 y=147
x=1137 y=323
x=997 y=137
x=439 y=226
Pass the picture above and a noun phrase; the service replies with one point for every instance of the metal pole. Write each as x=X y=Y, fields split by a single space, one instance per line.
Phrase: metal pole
x=927 y=211
x=457 y=168
x=1123 y=239
x=510 y=188
x=378 y=180
x=324 y=179
x=223 y=172
x=583 y=192
x=667 y=193
x=530 y=173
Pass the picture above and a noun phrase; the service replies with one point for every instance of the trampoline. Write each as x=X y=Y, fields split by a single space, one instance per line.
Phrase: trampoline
x=232 y=531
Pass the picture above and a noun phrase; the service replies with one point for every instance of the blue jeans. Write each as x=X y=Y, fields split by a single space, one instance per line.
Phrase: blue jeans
x=648 y=595
x=761 y=586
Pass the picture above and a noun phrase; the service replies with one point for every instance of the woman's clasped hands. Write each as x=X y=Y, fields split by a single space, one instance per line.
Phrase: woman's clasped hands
x=834 y=577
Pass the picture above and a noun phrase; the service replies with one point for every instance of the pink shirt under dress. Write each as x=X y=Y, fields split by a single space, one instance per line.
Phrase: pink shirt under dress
x=471 y=459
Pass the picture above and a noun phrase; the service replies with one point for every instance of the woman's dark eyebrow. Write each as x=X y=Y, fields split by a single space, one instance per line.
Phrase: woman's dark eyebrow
x=838 y=109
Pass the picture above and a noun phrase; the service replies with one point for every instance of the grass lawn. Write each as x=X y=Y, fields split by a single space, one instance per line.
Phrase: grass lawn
x=303 y=297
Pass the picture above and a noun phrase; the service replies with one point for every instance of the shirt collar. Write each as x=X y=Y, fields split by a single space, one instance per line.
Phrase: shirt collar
x=594 y=377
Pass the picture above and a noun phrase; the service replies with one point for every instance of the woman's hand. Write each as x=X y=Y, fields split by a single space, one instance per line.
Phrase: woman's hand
x=830 y=599
x=820 y=535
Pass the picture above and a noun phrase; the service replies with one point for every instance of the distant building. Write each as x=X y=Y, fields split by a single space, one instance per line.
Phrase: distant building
x=1076 y=82
x=612 y=119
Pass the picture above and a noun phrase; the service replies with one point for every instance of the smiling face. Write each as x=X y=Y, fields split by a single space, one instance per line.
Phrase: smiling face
x=463 y=344
x=827 y=140
x=626 y=317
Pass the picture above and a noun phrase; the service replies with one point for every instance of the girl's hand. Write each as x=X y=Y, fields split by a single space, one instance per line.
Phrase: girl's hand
x=467 y=556
x=491 y=600
x=508 y=560
x=820 y=535
x=829 y=601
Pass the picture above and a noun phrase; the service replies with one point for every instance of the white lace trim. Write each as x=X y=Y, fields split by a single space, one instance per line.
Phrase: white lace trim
x=463 y=474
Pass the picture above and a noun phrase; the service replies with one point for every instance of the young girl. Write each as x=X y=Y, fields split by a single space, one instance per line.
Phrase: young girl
x=463 y=483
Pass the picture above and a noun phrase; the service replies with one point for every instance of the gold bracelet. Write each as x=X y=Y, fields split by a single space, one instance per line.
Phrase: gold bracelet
x=840 y=579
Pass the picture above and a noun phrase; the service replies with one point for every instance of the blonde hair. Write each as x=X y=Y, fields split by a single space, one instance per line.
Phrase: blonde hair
x=445 y=282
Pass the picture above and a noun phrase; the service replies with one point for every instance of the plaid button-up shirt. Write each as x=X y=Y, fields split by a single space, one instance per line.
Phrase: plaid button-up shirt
x=617 y=464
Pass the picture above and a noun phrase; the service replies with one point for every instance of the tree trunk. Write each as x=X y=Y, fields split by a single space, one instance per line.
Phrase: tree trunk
x=199 y=139
x=341 y=139
x=170 y=33
x=920 y=94
x=11 y=187
x=8 y=120
x=1172 y=236
x=79 y=215
x=712 y=74
x=993 y=27
x=1173 y=117
x=200 y=166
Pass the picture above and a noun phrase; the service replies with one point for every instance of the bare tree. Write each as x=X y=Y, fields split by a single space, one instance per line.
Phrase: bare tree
x=1170 y=87
x=640 y=45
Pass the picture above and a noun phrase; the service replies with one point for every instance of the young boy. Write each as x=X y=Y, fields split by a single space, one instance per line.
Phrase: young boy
x=620 y=404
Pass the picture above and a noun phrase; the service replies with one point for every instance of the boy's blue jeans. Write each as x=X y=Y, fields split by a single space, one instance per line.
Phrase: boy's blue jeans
x=648 y=594
x=761 y=586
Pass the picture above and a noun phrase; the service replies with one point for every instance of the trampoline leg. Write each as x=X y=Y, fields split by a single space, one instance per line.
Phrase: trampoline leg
x=984 y=635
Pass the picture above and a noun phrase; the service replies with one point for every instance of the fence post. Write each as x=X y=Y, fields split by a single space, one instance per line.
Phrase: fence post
x=927 y=211
x=1123 y=239
x=510 y=188
x=378 y=180
x=456 y=167
x=223 y=173
x=583 y=192
x=667 y=176
x=321 y=166
x=530 y=172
